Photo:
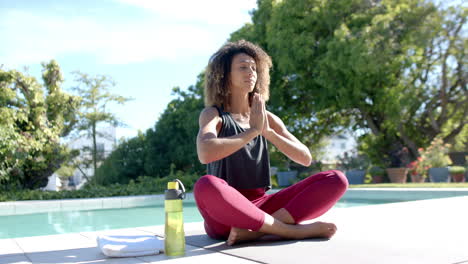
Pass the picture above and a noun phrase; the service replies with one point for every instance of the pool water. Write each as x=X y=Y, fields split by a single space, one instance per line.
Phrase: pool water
x=39 y=224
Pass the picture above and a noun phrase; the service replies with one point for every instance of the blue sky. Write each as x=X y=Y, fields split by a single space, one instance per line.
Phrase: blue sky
x=146 y=46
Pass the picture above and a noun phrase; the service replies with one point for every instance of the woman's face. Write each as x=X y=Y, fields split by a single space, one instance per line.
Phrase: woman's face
x=243 y=75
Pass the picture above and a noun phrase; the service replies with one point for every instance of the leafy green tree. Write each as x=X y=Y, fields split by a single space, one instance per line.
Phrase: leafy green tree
x=438 y=75
x=312 y=127
x=389 y=68
x=167 y=148
x=173 y=139
x=94 y=91
x=33 y=117
x=125 y=163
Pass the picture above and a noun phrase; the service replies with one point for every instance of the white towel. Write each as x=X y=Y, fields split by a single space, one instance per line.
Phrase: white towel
x=130 y=246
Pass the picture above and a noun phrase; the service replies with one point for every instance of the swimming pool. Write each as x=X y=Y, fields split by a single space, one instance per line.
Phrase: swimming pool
x=60 y=222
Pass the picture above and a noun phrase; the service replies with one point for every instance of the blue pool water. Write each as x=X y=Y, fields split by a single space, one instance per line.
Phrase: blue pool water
x=39 y=224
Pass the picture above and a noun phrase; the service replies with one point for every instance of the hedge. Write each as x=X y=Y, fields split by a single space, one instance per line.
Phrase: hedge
x=143 y=185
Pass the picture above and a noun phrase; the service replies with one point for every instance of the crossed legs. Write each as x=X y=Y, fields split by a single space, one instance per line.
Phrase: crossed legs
x=228 y=214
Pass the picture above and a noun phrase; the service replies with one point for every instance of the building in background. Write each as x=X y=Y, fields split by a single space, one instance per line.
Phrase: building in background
x=106 y=143
x=338 y=145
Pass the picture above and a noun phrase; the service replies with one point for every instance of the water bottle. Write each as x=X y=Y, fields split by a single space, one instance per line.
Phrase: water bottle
x=174 y=241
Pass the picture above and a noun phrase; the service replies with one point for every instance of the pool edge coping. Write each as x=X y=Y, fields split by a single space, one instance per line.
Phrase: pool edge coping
x=41 y=206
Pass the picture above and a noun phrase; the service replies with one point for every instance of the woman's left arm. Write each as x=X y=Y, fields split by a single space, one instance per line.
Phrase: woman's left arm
x=276 y=132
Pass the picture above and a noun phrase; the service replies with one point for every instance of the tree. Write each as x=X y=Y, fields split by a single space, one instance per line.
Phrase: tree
x=389 y=68
x=173 y=139
x=310 y=127
x=33 y=117
x=438 y=74
x=169 y=146
x=125 y=163
x=94 y=91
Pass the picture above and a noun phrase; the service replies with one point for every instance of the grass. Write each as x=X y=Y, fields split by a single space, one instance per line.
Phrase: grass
x=413 y=185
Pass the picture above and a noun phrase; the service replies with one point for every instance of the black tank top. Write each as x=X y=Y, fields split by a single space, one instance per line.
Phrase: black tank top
x=247 y=168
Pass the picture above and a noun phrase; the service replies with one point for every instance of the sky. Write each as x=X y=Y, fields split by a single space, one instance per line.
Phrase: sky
x=146 y=46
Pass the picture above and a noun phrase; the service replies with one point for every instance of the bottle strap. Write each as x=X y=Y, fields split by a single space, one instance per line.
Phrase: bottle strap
x=182 y=195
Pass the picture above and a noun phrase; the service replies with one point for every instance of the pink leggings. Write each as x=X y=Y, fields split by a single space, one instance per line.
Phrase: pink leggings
x=223 y=207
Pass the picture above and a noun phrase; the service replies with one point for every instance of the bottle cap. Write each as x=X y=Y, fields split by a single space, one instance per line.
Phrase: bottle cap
x=173 y=192
x=173 y=185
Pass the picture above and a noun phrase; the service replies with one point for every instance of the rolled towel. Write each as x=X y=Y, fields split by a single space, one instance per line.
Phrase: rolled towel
x=130 y=246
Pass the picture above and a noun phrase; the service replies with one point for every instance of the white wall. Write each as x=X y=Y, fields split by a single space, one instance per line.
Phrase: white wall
x=108 y=142
x=53 y=184
x=338 y=145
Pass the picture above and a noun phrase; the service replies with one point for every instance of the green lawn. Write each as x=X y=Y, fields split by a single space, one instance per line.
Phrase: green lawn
x=412 y=185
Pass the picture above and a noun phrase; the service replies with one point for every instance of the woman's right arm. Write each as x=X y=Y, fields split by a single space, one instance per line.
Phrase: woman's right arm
x=211 y=148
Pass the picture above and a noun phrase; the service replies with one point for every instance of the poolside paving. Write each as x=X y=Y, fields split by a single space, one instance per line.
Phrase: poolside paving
x=426 y=231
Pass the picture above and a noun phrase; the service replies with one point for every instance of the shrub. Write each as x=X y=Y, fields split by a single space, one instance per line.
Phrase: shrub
x=376 y=171
x=143 y=185
x=457 y=170
x=436 y=155
x=418 y=167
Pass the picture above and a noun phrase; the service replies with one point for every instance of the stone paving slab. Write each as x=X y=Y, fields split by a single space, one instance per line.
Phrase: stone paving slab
x=10 y=252
x=428 y=231
x=82 y=248
x=9 y=246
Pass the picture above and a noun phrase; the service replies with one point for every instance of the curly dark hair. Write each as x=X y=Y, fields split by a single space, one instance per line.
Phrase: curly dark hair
x=219 y=66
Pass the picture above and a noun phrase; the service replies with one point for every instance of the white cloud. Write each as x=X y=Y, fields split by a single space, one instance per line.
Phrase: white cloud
x=173 y=33
x=29 y=38
x=219 y=12
x=147 y=42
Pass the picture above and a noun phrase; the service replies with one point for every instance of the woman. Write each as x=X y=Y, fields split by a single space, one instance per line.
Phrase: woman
x=232 y=140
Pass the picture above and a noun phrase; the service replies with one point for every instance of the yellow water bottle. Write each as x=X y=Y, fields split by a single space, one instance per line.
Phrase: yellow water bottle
x=174 y=241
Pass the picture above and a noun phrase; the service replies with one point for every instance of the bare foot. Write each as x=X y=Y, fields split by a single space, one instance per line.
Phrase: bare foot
x=313 y=230
x=317 y=229
x=241 y=235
